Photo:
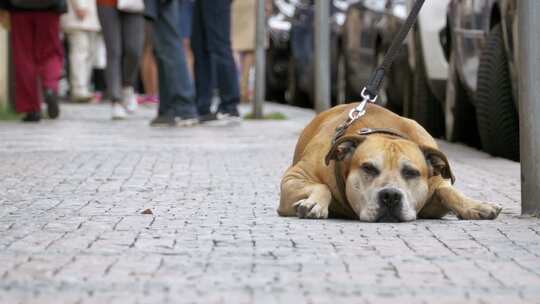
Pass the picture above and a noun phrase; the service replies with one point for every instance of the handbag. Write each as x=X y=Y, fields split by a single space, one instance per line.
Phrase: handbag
x=33 y=4
x=130 y=6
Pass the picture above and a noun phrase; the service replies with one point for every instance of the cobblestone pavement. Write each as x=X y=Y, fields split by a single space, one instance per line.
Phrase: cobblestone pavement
x=71 y=228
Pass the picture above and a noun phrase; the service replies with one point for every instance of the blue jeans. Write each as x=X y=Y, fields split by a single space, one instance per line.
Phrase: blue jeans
x=214 y=62
x=176 y=90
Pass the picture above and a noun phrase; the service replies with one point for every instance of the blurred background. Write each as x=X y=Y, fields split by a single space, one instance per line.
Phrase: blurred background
x=456 y=73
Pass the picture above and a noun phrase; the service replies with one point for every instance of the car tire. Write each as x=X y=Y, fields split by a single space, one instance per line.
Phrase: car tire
x=294 y=94
x=459 y=112
x=426 y=109
x=498 y=121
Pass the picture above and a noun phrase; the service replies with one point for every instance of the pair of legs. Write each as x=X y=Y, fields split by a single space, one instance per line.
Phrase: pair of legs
x=124 y=39
x=307 y=199
x=176 y=90
x=37 y=56
x=82 y=45
x=214 y=61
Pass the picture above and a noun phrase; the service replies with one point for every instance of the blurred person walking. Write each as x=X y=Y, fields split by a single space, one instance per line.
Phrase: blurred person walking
x=176 y=91
x=37 y=54
x=82 y=29
x=123 y=31
x=214 y=62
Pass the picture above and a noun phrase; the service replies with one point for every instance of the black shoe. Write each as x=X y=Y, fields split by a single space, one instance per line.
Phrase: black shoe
x=32 y=117
x=51 y=99
x=163 y=121
x=172 y=121
x=207 y=118
x=220 y=119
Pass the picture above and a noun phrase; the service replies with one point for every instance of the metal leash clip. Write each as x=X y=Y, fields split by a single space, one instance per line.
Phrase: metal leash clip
x=360 y=109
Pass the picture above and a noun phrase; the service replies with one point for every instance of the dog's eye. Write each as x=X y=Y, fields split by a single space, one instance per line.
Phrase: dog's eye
x=410 y=173
x=370 y=169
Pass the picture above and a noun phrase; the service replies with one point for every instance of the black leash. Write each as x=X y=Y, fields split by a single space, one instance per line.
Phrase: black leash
x=374 y=83
x=370 y=91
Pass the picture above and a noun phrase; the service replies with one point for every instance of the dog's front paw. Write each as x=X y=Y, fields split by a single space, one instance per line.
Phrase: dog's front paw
x=480 y=211
x=310 y=209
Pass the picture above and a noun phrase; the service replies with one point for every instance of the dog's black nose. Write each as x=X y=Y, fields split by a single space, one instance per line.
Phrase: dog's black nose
x=390 y=198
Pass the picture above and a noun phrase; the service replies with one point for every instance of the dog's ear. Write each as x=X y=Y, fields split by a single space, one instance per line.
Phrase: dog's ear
x=343 y=148
x=438 y=162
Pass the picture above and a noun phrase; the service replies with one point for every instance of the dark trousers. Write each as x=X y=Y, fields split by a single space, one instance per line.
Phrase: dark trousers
x=38 y=56
x=176 y=92
x=214 y=62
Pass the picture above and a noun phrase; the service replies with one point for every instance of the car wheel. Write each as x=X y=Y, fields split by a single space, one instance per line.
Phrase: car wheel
x=426 y=110
x=460 y=116
x=294 y=95
x=498 y=122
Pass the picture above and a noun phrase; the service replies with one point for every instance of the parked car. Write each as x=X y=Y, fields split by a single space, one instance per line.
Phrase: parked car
x=278 y=52
x=429 y=65
x=301 y=78
x=369 y=29
x=482 y=88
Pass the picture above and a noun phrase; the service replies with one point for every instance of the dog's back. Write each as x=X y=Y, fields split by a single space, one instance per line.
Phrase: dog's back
x=325 y=124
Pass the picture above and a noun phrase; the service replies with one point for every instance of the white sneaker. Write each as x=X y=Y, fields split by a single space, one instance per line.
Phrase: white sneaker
x=118 y=111
x=129 y=100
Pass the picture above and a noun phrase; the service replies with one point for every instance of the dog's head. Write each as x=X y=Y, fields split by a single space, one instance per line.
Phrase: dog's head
x=386 y=177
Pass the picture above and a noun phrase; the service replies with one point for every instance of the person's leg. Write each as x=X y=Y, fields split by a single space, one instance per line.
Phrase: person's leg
x=247 y=63
x=49 y=50
x=26 y=74
x=204 y=84
x=217 y=21
x=148 y=64
x=93 y=38
x=79 y=54
x=110 y=24
x=175 y=86
x=132 y=46
x=49 y=54
x=186 y=11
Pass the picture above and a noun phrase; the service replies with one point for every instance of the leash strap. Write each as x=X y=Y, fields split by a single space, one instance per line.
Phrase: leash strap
x=374 y=83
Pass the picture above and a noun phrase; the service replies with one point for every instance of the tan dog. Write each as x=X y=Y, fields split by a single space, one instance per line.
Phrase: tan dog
x=396 y=173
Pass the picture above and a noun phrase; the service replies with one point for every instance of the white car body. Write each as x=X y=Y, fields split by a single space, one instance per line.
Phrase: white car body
x=431 y=21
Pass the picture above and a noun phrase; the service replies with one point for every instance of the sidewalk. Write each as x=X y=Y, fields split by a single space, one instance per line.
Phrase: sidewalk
x=71 y=228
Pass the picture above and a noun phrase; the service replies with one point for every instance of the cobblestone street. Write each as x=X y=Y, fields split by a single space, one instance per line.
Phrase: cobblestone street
x=71 y=228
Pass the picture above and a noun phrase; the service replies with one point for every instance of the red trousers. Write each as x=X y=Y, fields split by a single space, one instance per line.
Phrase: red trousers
x=38 y=56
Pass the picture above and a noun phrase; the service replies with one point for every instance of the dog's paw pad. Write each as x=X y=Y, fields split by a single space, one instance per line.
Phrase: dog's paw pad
x=311 y=210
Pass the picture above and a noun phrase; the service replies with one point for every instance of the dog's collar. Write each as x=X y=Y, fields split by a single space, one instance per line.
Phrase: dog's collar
x=392 y=132
x=340 y=181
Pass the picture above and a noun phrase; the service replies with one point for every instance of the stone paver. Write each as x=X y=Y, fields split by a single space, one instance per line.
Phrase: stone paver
x=71 y=230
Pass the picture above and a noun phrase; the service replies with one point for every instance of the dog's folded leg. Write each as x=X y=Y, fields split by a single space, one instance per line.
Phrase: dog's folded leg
x=304 y=198
x=465 y=208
